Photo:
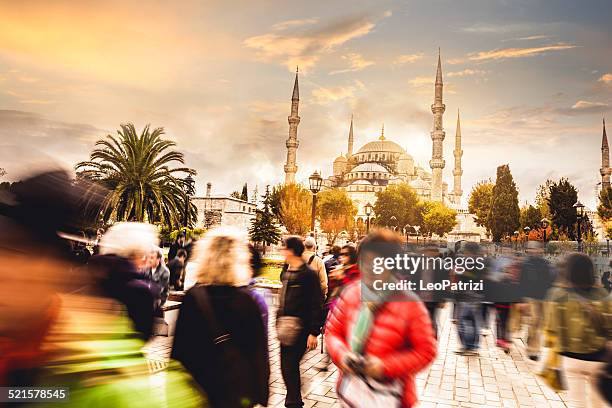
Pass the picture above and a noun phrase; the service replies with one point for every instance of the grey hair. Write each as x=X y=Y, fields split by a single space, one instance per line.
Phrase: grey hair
x=128 y=239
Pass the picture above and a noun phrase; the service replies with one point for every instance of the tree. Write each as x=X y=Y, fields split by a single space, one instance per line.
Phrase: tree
x=563 y=196
x=336 y=211
x=2 y=172
x=542 y=196
x=608 y=229
x=236 y=194
x=504 y=213
x=604 y=209
x=479 y=203
x=244 y=196
x=136 y=170
x=438 y=219
x=530 y=217
x=263 y=228
x=294 y=207
x=399 y=201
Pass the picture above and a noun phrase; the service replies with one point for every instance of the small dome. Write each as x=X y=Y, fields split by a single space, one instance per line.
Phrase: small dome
x=340 y=159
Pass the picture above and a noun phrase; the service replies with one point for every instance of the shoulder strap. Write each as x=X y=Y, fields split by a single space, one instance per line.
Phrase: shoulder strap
x=205 y=307
x=312 y=257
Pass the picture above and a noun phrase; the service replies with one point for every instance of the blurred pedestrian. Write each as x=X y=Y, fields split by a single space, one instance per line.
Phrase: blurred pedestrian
x=432 y=272
x=536 y=278
x=579 y=322
x=331 y=260
x=180 y=243
x=258 y=293
x=606 y=279
x=121 y=270
x=344 y=271
x=298 y=320
x=315 y=263
x=177 y=270
x=58 y=325
x=379 y=341
x=220 y=335
x=159 y=276
x=469 y=301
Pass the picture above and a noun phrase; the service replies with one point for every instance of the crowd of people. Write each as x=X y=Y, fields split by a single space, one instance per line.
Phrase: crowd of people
x=72 y=318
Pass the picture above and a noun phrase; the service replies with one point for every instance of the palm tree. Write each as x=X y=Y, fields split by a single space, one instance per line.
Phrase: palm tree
x=136 y=171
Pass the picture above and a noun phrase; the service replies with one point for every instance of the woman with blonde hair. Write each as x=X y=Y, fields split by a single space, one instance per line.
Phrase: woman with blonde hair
x=220 y=335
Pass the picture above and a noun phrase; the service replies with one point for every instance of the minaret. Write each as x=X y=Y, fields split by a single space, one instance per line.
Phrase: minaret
x=457 y=171
x=437 y=136
x=292 y=142
x=350 y=141
x=605 y=159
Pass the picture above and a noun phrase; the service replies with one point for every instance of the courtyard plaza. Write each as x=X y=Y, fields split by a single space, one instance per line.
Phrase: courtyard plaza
x=491 y=379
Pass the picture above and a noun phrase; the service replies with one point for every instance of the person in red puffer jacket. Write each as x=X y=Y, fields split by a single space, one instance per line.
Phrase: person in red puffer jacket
x=398 y=341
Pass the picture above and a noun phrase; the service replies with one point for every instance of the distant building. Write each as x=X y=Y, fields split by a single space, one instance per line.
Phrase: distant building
x=222 y=210
x=466 y=228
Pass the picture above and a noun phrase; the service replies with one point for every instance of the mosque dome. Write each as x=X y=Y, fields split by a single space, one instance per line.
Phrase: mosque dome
x=381 y=146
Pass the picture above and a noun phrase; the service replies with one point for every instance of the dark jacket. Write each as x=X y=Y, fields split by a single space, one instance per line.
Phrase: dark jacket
x=160 y=277
x=118 y=279
x=174 y=249
x=177 y=272
x=228 y=371
x=537 y=277
x=301 y=296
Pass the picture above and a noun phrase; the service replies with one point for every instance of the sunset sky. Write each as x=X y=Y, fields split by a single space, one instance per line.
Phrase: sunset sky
x=532 y=79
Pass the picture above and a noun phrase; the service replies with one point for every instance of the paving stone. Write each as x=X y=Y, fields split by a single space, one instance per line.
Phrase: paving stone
x=492 y=379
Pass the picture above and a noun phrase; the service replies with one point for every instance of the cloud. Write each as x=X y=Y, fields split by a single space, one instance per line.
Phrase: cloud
x=407 y=58
x=455 y=61
x=356 y=63
x=325 y=96
x=587 y=107
x=466 y=72
x=421 y=81
x=284 y=25
x=528 y=38
x=504 y=53
x=481 y=28
x=29 y=140
x=606 y=78
x=305 y=49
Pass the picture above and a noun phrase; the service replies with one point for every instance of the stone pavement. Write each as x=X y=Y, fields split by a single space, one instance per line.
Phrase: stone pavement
x=492 y=379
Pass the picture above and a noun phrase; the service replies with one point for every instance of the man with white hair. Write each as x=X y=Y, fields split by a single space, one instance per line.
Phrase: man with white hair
x=315 y=263
x=124 y=251
x=159 y=274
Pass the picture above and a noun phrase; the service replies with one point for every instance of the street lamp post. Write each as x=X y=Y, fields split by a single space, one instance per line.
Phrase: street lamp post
x=368 y=212
x=315 y=181
x=544 y=222
x=189 y=190
x=580 y=214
